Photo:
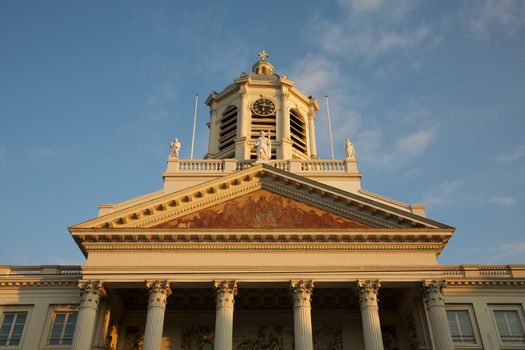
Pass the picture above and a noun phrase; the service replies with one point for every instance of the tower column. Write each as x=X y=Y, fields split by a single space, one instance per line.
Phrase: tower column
x=368 y=291
x=158 y=292
x=302 y=297
x=435 y=304
x=90 y=294
x=226 y=291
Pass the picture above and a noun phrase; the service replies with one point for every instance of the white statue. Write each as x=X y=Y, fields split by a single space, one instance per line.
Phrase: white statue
x=264 y=147
x=349 y=150
x=174 y=149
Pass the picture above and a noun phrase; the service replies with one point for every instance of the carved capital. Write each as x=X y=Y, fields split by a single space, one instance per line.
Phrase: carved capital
x=242 y=91
x=158 y=293
x=226 y=292
x=301 y=292
x=433 y=293
x=368 y=292
x=90 y=293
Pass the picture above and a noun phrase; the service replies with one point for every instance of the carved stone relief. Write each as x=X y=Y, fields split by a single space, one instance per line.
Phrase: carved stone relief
x=197 y=338
x=261 y=209
x=390 y=340
x=134 y=338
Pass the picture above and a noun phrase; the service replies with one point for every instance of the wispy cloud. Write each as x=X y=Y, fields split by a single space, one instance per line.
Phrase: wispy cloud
x=443 y=193
x=404 y=149
x=501 y=200
x=507 y=157
x=502 y=253
x=41 y=151
x=371 y=28
x=489 y=14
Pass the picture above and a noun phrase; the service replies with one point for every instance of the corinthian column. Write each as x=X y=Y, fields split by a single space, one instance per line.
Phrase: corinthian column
x=90 y=294
x=226 y=291
x=370 y=314
x=302 y=297
x=435 y=303
x=158 y=294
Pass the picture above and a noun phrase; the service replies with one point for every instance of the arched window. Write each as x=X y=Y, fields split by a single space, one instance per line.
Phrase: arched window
x=298 y=131
x=228 y=131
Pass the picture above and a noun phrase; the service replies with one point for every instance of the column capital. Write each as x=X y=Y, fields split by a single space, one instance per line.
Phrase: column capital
x=158 y=293
x=301 y=292
x=368 y=292
x=226 y=292
x=433 y=292
x=90 y=293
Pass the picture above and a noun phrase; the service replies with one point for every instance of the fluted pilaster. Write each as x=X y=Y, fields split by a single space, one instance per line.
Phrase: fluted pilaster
x=435 y=304
x=226 y=291
x=90 y=294
x=368 y=300
x=302 y=298
x=158 y=292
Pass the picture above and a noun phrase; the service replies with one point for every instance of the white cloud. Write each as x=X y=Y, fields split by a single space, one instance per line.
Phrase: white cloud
x=404 y=149
x=388 y=9
x=508 y=157
x=485 y=15
x=502 y=253
x=340 y=39
x=315 y=73
x=501 y=200
x=41 y=151
x=443 y=193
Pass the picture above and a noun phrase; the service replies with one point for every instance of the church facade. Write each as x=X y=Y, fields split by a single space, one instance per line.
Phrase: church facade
x=261 y=245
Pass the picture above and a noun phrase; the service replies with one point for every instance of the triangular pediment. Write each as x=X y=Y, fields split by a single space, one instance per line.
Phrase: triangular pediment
x=261 y=209
x=259 y=197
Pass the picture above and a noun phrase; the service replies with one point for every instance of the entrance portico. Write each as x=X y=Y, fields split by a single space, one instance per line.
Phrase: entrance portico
x=199 y=315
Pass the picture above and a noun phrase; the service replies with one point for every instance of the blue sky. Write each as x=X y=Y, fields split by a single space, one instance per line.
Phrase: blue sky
x=431 y=93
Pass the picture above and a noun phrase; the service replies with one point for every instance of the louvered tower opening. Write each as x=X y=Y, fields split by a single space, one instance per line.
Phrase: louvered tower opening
x=298 y=132
x=227 y=132
x=265 y=123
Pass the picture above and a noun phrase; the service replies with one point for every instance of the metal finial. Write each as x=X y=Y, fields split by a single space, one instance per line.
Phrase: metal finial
x=263 y=55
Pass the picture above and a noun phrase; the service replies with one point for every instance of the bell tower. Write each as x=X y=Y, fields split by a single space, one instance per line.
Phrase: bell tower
x=261 y=101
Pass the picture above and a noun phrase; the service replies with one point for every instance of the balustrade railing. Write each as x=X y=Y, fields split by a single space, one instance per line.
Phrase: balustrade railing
x=205 y=165
x=43 y=270
x=323 y=166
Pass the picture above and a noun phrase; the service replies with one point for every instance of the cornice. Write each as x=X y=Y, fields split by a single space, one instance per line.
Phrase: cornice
x=39 y=284
x=503 y=282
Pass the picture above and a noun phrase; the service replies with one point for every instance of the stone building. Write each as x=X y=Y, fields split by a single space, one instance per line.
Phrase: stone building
x=262 y=245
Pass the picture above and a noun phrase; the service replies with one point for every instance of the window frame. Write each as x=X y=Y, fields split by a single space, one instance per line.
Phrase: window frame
x=53 y=311
x=518 y=308
x=16 y=309
x=473 y=323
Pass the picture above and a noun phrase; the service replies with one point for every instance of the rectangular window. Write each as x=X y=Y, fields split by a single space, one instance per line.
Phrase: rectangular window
x=509 y=322
x=12 y=328
x=63 y=328
x=461 y=326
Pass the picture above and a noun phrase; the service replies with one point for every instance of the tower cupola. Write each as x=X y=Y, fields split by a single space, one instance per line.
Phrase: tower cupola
x=262 y=66
x=262 y=104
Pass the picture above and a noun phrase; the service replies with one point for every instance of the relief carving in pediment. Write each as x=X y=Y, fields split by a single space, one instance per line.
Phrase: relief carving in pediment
x=261 y=210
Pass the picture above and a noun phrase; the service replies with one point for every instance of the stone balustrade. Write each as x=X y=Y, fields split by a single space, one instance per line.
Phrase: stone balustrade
x=65 y=270
x=203 y=166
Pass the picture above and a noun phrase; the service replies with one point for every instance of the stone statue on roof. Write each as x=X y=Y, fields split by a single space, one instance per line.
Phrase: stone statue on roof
x=175 y=149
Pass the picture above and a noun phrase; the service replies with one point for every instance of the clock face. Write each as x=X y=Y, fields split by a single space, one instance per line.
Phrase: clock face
x=263 y=106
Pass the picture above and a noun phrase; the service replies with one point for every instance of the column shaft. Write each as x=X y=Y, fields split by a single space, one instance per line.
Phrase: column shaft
x=368 y=291
x=90 y=293
x=435 y=304
x=158 y=294
x=226 y=291
x=302 y=297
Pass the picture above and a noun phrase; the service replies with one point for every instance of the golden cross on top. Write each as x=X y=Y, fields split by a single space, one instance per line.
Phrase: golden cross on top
x=263 y=55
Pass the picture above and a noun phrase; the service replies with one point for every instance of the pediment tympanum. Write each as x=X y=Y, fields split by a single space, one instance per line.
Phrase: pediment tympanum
x=261 y=209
